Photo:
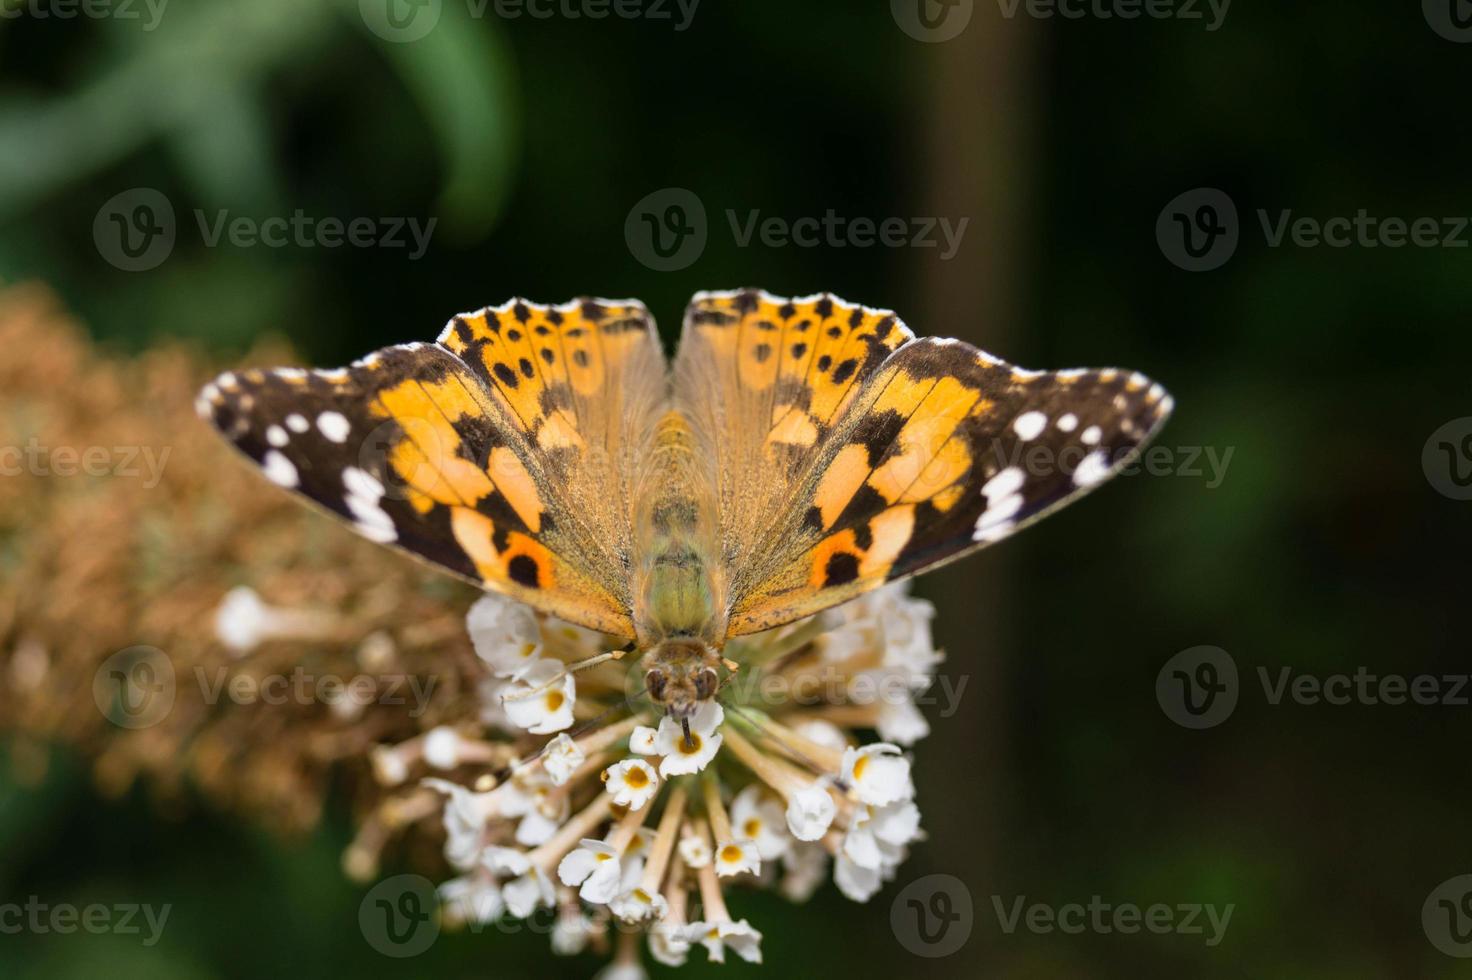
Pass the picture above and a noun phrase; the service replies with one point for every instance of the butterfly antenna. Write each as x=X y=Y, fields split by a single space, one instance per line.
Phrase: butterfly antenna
x=569 y=669
x=685 y=724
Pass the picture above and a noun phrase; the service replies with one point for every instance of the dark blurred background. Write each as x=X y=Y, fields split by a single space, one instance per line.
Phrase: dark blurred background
x=1324 y=545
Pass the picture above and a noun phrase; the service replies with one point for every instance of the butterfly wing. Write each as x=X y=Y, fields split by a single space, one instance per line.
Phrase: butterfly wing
x=504 y=452
x=855 y=454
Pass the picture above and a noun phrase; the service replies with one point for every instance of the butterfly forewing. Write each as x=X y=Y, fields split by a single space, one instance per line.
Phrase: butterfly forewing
x=882 y=455
x=503 y=453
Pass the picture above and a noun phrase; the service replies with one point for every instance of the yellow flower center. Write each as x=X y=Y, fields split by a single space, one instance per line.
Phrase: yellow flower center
x=603 y=857
x=730 y=854
x=753 y=828
x=690 y=747
x=636 y=777
x=554 y=700
x=859 y=766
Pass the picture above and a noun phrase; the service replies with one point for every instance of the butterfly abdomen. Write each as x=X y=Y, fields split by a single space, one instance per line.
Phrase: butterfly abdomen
x=677 y=590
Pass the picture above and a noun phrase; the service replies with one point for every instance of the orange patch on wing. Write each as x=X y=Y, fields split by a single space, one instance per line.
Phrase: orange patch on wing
x=840 y=481
x=517 y=486
x=921 y=440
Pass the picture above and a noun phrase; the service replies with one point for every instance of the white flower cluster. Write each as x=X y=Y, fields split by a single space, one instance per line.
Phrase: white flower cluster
x=632 y=822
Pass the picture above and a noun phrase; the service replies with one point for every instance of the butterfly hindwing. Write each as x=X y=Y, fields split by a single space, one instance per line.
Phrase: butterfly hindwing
x=502 y=453
x=922 y=451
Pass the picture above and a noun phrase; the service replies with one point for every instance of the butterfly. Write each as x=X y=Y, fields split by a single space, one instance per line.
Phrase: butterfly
x=796 y=454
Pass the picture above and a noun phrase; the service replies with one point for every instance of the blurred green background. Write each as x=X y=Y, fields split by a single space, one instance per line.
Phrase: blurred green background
x=1323 y=370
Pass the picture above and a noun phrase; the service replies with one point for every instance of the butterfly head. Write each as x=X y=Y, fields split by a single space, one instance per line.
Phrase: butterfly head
x=681 y=674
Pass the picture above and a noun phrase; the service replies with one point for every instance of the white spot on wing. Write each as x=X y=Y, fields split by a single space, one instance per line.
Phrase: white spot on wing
x=1029 y=425
x=1095 y=467
x=1091 y=435
x=333 y=425
x=279 y=470
x=1002 y=504
x=277 y=436
x=297 y=423
x=1067 y=422
x=363 y=494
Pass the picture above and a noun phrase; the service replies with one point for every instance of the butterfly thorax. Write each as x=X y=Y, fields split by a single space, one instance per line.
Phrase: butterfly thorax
x=678 y=590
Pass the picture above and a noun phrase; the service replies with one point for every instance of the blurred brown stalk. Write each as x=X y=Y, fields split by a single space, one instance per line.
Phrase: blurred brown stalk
x=93 y=564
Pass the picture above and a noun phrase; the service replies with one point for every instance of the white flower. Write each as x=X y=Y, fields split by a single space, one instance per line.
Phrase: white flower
x=694 y=851
x=810 y=812
x=668 y=943
x=242 y=620
x=505 y=861
x=571 y=931
x=823 y=733
x=901 y=722
x=561 y=758
x=641 y=741
x=595 y=866
x=550 y=708
x=878 y=773
x=526 y=894
x=442 y=747
x=742 y=939
x=389 y=765
x=530 y=797
x=473 y=898
x=756 y=816
x=505 y=634
x=735 y=857
x=632 y=783
x=877 y=836
x=905 y=624
x=856 y=882
x=637 y=905
x=806 y=865
x=682 y=757
x=464 y=816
